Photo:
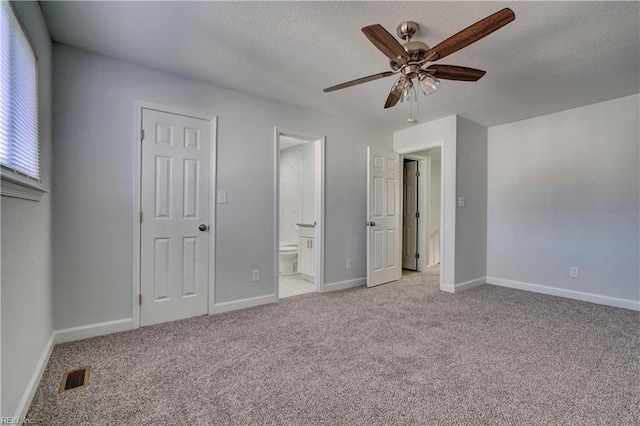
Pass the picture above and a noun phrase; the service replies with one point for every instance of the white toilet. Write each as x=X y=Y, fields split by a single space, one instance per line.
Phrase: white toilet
x=288 y=258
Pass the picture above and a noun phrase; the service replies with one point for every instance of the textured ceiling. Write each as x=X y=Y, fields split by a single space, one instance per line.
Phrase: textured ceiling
x=555 y=56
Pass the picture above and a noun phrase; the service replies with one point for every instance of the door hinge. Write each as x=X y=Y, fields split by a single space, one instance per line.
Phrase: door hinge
x=139 y=299
x=140 y=217
x=417 y=174
x=141 y=134
x=417 y=255
x=417 y=214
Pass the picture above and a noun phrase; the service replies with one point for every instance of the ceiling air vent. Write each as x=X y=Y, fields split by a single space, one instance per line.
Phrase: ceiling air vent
x=75 y=379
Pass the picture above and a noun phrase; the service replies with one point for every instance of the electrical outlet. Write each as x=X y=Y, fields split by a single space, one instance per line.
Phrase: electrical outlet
x=349 y=264
x=574 y=272
x=256 y=275
x=461 y=201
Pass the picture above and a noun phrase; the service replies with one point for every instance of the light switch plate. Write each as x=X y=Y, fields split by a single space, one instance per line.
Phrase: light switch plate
x=222 y=197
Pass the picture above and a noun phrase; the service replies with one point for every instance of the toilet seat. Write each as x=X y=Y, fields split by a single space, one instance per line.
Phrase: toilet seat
x=288 y=250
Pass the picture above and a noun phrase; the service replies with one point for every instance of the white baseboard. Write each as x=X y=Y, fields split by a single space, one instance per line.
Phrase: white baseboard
x=449 y=288
x=570 y=294
x=92 y=330
x=32 y=386
x=343 y=285
x=457 y=288
x=219 y=308
x=470 y=284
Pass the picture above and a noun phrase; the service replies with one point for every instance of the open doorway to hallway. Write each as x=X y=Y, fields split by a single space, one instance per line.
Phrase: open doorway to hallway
x=422 y=207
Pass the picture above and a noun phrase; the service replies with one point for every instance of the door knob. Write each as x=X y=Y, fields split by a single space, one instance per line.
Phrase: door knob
x=203 y=227
x=371 y=224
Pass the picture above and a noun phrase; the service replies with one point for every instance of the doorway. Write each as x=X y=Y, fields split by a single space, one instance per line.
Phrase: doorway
x=176 y=219
x=386 y=243
x=422 y=209
x=299 y=213
x=410 y=214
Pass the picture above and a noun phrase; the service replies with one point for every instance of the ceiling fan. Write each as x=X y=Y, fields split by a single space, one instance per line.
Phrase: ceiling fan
x=408 y=58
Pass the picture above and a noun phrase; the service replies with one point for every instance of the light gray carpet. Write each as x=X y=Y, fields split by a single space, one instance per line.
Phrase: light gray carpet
x=401 y=353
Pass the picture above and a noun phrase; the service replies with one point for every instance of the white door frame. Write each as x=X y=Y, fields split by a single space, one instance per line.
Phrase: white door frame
x=320 y=142
x=424 y=167
x=419 y=208
x=423 y=220
x=137 y=192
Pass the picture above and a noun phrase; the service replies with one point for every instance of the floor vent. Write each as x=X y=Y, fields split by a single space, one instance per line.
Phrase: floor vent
x=75 y=379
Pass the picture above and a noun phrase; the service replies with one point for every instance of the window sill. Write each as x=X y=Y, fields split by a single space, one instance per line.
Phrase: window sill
x=17 y=186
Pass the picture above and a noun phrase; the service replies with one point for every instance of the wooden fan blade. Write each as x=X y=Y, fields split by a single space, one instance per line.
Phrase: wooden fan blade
x=453 y=72
x=393 y=98
x=358 y=81
x=471 y=34
x=385 y=42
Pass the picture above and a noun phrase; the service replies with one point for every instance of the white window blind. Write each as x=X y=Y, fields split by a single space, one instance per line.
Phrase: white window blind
x=19 y=143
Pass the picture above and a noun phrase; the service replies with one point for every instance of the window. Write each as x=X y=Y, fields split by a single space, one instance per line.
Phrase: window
x=19 y=142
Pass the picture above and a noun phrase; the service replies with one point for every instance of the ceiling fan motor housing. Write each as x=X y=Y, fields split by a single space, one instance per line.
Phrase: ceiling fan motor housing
x=416 y=51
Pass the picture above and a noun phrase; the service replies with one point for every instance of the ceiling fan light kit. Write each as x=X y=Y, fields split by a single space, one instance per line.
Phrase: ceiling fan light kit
x=428 y=83
x=408 y=59
x=410 y=96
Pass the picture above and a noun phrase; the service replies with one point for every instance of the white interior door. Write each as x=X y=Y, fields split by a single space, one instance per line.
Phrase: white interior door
x=175 y=217
x=410 y=215
x=384 y=262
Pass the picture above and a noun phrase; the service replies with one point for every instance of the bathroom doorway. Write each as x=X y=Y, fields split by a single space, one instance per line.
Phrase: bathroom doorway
x=299 y=213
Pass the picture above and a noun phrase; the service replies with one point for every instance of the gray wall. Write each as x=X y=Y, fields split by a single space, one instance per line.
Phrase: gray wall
x=94 y=99
x=563 y=190
x=471 y=183
x=26 y=323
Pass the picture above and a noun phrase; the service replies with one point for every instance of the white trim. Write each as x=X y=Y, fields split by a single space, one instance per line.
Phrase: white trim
x=244 y=303
x=343 y=285
x=276 y=212
x=320 y=144
x=633 y=305
x=420 y=166
x=457 y=288
x=424 y=200
x=319 y=211
x=213 y=139
x=92 y=330
x=137 y=192
x=32 y=386
x=469 y=284
x=16 y=186
x=449 y=288
x=213 y=178
x=424 y=195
